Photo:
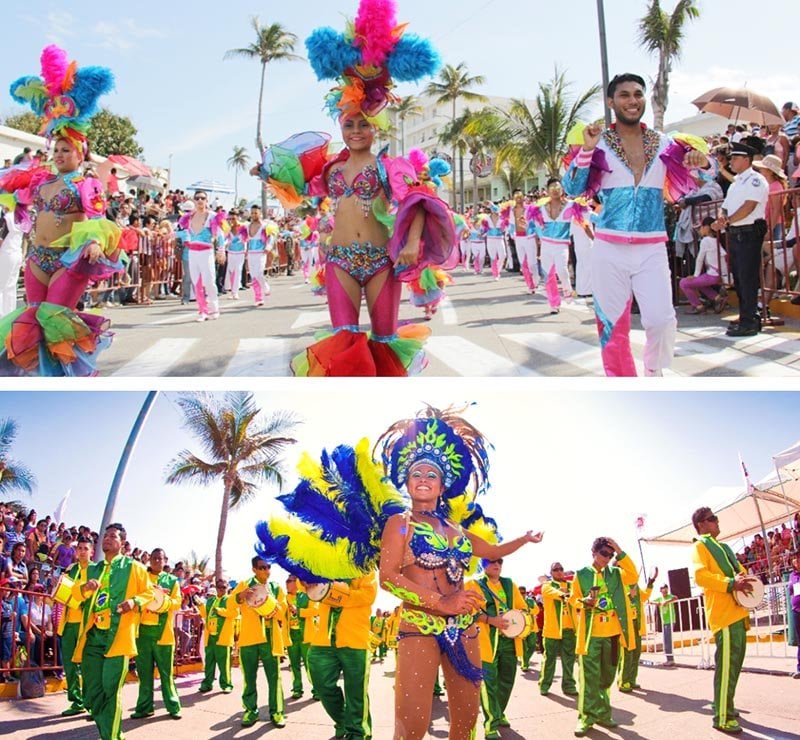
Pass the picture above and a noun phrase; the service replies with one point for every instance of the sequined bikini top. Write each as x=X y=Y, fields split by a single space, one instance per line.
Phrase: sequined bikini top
x=433 y=550
x=66 y=200
x=366 y=186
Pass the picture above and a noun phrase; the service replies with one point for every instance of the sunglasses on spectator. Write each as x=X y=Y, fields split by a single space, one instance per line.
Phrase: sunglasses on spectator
x=606 y=553
x=713 y=518
x=499 y=561
x=200 y=197
x=556 y=570
x=262 y=567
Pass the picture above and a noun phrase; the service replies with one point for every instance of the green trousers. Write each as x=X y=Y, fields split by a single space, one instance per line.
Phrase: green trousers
x=103 y=679
x=152 y=656
x=553 y=650
x=596 y=676
x=295 y=652
x=731 y=645
x=628 y=669
x=72 y=671
x=249 y=657
x=498 y=681
x=349 y=709
x=216 y=656
x=528 y=649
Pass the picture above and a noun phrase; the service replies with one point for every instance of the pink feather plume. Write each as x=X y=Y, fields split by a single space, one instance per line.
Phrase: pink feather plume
x=418 y=159
x=54 y=68
x=375 y=26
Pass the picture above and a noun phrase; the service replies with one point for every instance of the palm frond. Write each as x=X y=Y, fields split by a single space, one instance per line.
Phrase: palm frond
x=14 y=476
x=188 y=467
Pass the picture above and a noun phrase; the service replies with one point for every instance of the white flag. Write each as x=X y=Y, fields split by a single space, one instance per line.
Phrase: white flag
x=58 y=514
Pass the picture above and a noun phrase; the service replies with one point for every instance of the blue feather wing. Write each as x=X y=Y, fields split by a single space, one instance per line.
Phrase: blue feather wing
x=90 y=84
x=310 y=506
x=273 y=550
x=30 y=91
x=330 y=53
x=413 y=59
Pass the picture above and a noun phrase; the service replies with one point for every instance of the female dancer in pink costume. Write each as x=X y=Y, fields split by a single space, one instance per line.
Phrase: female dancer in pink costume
x=75 y=244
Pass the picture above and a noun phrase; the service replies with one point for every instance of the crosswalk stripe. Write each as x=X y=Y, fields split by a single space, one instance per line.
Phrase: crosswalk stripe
x=260 y=357
x=732 y=357
x=470 y=360
x=448 y=312
x=566 y=349
x=311 y=318
x=158 y=359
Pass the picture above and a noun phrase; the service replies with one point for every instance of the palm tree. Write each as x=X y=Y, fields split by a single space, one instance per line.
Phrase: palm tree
x=14 y=476
x=273 y=43
x=196 y=564
x=242 y=452
x=407 y=107
x=455 y=83
x=465 y=137
x=536 y=138
x=239 y=161
x=662 y=33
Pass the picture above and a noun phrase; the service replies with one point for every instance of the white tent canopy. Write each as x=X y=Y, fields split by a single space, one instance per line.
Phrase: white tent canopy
x=746 y=514
x=789 y=460
x=211 y=186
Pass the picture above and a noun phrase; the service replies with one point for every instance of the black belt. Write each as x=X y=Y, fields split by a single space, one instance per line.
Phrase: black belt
x=749 y=227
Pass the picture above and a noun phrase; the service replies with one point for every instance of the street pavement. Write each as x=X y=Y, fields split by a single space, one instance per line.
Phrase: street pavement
x=672 y=704
x=485 y=328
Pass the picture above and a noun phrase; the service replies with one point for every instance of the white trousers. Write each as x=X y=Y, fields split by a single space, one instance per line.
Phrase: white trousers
x=203 y=268
x=10 y=263
x=526 y=254
x=496 y=247
x=478 y=254
x=620 y=271
x=256 y=264
x=583 y=257
x=557 y=255
x=233 y=272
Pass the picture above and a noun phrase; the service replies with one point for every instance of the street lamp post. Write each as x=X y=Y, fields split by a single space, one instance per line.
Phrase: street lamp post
x=169 y=174
x=601 y=22
x=130 y=445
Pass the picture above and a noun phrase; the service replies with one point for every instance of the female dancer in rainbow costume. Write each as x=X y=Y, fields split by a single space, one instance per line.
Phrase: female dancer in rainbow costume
x=388 y=227
x=75 y=243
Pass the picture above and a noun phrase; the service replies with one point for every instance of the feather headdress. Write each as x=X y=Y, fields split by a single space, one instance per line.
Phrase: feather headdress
x=373 y=52
x=336 y=516
x=65 y=95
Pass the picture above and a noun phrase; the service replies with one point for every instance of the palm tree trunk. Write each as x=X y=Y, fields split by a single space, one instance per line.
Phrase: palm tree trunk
x=259 y=138
x=223 y=523
x=453 y=205
x=235 y=185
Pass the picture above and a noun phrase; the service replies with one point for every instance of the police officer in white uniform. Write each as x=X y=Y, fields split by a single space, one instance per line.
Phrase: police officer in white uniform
x=743 y=218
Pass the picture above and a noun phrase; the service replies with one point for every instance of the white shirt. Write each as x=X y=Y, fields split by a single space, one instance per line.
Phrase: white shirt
x=707 y=257
x=13 y=240
x=747 y=186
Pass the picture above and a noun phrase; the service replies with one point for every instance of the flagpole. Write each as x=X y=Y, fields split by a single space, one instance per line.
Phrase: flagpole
x=751 y=491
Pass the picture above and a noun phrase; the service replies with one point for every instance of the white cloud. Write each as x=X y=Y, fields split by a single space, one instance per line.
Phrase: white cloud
x=122 y=35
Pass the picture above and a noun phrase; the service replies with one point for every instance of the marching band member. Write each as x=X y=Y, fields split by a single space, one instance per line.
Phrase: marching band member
x=219 y=619
x=261 y=605
x=155 y=642
x=628 y=670
x=558 y=633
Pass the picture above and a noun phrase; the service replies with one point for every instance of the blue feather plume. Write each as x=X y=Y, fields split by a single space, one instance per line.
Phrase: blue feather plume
x=90 y=84
x=413 y=58
x=273 y=550
x=330 y=53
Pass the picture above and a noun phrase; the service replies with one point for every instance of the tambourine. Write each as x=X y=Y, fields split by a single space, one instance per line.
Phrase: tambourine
x=155 y=604
x=333 y=591
x=520 y=623
x=754 y=598
x=62 y=591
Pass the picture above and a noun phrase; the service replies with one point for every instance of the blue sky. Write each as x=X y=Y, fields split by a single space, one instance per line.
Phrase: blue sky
x=574 y=463
x=189 y=103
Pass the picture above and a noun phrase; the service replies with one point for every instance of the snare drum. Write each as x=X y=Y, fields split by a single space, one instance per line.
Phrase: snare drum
x=62 y=591
x=754 y=598
x=260 y=599
x=155 y=604
x=520 y=623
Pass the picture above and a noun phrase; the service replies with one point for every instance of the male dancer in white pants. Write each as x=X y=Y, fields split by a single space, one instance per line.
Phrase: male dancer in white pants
x=257 y=240
x=200 y=230
x=553 y=217
x=495 y=241
x=523 y=231
x=626 y=167
x=237 y=247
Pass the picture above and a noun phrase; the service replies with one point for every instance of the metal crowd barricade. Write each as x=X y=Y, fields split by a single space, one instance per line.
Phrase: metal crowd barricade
x=29 y=654
x=779 y=259
x=692 y=640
